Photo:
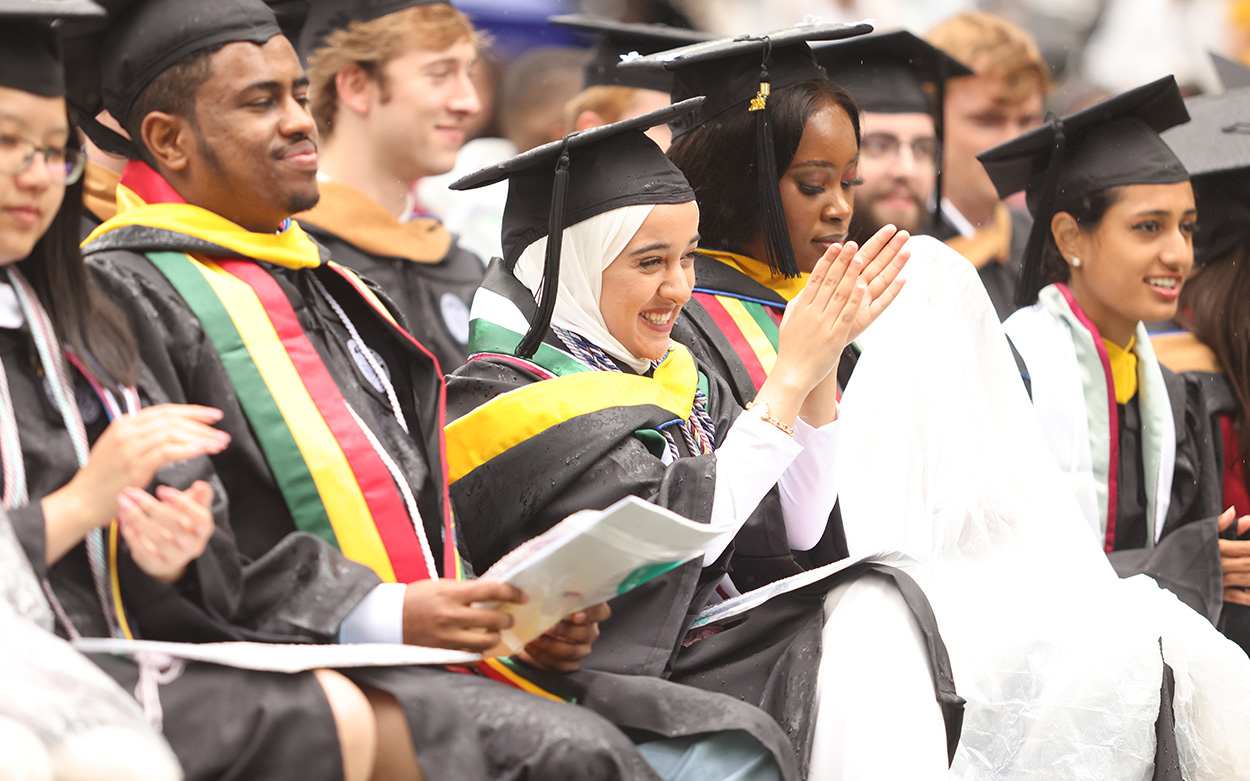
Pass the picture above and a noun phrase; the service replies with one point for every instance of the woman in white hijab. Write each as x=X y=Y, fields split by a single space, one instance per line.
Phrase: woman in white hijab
x=595 y=402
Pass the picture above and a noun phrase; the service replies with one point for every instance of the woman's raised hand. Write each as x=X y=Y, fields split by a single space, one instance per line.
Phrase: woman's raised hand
x=884 y=256
x=815 y=330
x=168 y=531
x=127 y=455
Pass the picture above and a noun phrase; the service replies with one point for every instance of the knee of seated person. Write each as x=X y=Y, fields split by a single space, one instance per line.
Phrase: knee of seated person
x=108 y=752
x=353 y=721
x=732 y=754
x=585 y=747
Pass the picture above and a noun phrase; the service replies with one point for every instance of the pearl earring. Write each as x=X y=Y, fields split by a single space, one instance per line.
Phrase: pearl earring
x=1076 y=262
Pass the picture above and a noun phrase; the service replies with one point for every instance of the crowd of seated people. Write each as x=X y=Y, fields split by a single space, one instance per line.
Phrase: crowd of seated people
x=251 y=392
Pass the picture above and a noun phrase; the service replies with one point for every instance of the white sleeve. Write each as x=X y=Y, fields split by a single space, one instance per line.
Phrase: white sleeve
x=379 y=618
x=808 y=490
x=749 y=462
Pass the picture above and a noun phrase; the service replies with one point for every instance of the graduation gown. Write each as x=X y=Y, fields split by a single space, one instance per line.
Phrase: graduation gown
x=419 y=264
x=220 y=722
x=1146 y=476
x=588 y=447
x=1221 y=410
x=464 y=726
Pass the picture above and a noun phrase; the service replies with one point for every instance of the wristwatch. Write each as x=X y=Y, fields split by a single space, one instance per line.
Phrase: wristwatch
x=759 y=409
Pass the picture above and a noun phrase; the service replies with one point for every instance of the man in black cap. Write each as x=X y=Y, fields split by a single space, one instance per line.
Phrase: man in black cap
x=892 y=77
x=335 y=412
x=391 y=92
x=611 y=94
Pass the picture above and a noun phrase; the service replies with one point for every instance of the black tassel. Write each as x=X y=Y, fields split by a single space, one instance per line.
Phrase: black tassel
x=778 y=249
x=106 y=138
x=939 y=122
x=551 y=262
x=1031 y=273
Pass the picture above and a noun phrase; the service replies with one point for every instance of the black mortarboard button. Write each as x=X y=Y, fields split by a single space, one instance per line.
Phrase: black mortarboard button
x=1112 y=143
x=562 y=183
x=326 y=16
x=624 y=40
x=887 y=73
x=30 y=51
x=738 y=74
x=1214 y=146
x=111 y=68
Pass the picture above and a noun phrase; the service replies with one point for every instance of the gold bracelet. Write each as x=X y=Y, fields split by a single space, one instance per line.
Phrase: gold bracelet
x=760 y=409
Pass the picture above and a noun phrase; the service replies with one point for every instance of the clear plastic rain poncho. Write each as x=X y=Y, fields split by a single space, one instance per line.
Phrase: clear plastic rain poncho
x=942 y=458
x=61 y=717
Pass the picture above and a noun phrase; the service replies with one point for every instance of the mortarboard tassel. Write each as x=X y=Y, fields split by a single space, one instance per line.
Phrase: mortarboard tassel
x=939 y=127
x=780 y=253
x=1031 y=273
x=551 y=261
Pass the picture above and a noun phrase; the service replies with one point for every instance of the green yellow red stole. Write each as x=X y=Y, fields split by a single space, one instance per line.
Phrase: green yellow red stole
x=569 y=388
x=751 y=325
x=332 y=478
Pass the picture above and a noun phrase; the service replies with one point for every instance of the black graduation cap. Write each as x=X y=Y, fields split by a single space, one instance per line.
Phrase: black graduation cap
x=738 y=74
x=1232 y=74
x=1112 y=143
x=620 y=40
x=110 y=68
x=326 y=16
x=887 y=73
x=1214 y=146
x=562 y=183
x=30 y=51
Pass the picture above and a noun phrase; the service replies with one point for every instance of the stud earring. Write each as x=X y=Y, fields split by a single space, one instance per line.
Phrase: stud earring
x=1076 y=262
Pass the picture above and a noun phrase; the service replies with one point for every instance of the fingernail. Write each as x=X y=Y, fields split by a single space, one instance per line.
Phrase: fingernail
x=130 y=495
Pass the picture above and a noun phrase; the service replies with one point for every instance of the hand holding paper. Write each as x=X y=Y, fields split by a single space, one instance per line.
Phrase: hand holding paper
x=461 y=615
x=562 y=648
x=588 y=558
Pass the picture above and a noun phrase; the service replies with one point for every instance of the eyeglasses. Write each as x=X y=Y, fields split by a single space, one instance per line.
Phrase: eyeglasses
x=887 y=145
x=64 y=164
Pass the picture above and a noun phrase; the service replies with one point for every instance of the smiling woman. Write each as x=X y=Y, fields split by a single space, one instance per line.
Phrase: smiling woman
x=1111 y=248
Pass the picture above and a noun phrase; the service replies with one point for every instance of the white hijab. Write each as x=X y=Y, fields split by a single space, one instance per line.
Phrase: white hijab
x=588 y=248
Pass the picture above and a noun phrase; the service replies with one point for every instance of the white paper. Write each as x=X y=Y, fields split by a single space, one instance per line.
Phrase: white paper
x=276 y=657
x=590 y=557
x=753 y=599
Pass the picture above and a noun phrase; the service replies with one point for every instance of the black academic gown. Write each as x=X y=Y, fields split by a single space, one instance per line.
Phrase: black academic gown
x=220 y=722
x=464 y=727
x=768 y=657
x=434 y=298
x=1219 y=401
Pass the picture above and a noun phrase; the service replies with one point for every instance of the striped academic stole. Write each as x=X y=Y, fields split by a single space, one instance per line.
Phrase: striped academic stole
x=1158 y=434
x=323 y=458
x=751 y=327
x=568 y=388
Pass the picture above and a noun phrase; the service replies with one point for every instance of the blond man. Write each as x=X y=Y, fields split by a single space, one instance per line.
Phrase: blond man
x=392 y=96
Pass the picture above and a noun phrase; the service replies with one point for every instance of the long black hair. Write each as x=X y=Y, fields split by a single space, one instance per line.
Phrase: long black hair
x=85 y=320
x=718 y=159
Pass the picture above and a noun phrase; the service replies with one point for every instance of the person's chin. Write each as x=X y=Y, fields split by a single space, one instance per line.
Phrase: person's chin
x=302 y=199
